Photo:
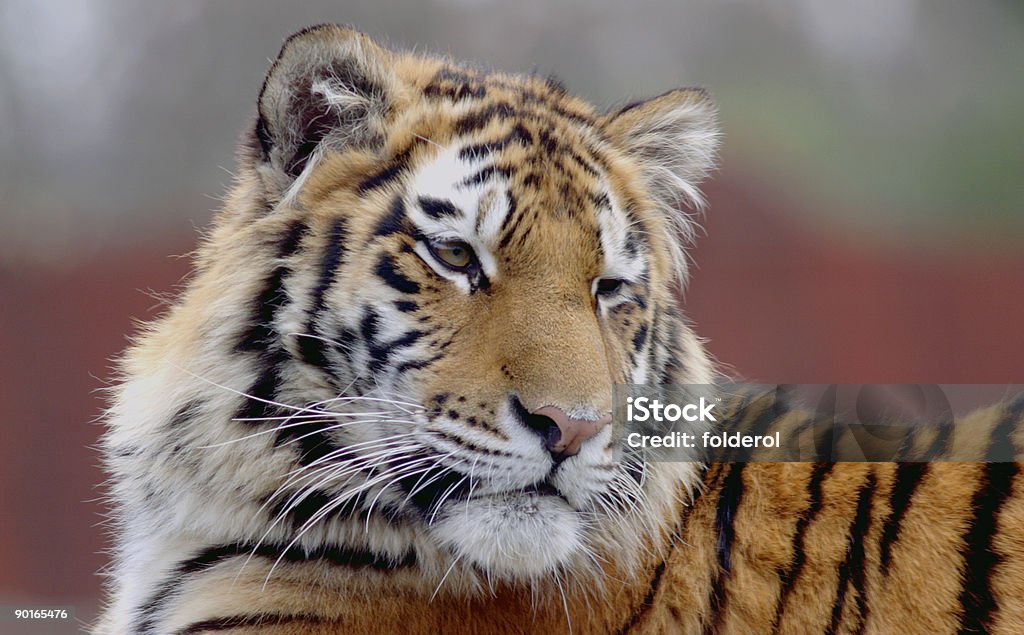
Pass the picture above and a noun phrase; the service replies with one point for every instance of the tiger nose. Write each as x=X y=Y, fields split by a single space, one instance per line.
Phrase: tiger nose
x=563 y=435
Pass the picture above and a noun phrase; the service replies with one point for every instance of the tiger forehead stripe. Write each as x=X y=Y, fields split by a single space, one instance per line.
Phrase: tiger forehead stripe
x=460 y=197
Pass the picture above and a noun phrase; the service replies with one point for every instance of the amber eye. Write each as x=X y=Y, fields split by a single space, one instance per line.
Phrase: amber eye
x=456 y=254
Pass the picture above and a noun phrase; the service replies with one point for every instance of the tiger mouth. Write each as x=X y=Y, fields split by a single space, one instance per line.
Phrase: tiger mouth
x=540 y=489
x=543 y=488
x=522 y=498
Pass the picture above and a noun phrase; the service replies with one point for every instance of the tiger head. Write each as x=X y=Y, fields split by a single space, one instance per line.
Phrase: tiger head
x=442 y=272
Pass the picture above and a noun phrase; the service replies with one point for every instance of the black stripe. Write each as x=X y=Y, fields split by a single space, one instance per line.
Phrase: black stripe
x=311 y=441
x=261 y=333
x=858 y=562
x=729 y=499
x=313 y=348
x=369 y=326
x=394 y=221
x=640 y=301
x=851 y=570
x=262 y=136
x=261 y=337
x=298 y=511
x=508 y=228
x=815 y=496
x=212 y=556
x=380 y=355
x=976 y=597
x=456 y=85
x=519 y=134
x=940 y=444
x=580 y=161
x=532 y=179
x=550 y=141
x=645 y=606
x=1001 y=448
x=263 y=391
x=456 y=92
x=640 y=337
x=437 y=208
x=908 y=478
x=778 y=404
x=424 y=488
x=555 y=85
x=329 y=262
x=417 y=364
x=398 y=281
x=454 y=74
x=485 y=174
x=941 y=421
x=297 y=230
x=381 y=178
x=600 y=200
x=392 y=169
x=480 y=118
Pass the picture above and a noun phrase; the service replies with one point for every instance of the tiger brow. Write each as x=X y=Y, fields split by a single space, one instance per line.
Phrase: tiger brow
x=438 y=208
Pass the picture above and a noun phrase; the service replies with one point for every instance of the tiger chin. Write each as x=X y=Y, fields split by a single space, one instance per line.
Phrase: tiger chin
x=382 y=402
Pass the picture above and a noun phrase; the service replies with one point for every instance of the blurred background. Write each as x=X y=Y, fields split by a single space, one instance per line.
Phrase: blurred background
x=866 y=224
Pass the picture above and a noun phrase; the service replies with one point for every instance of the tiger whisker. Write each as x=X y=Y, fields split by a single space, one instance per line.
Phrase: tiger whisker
x=444 y=577
x=472 y=485
x=334 y=472
x=344 y=449
x=270 y=402
x=383 y=449
x=302 y=493
x=327 y=509
x=441 y=500
x=441 y=472
x=304 y=422
x=565 y=601
x=309 y=524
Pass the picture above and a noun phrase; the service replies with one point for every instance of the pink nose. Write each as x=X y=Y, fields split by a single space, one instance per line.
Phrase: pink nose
x=571 y=432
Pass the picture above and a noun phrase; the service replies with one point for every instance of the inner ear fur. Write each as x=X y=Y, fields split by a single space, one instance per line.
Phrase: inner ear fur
x=675 y=138
x=330 y=87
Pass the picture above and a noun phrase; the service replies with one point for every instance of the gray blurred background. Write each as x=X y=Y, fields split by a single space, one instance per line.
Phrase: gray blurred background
x=866 y=224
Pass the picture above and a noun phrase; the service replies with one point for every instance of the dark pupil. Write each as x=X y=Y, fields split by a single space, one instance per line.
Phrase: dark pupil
x=608 y=285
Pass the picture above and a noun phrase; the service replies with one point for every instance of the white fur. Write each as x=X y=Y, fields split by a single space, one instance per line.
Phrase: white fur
x=512 y=534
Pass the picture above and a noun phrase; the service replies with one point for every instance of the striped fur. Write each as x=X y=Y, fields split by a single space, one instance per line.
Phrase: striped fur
x=330 y=431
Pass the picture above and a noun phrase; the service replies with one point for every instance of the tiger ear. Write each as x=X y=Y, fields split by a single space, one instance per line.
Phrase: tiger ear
x=675 y=138
x=330 y=86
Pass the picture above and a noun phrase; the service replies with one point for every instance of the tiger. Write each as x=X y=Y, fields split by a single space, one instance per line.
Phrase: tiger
x=382 y=402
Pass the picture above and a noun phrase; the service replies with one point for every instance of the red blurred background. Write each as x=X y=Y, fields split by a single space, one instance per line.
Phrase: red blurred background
x=866 y=226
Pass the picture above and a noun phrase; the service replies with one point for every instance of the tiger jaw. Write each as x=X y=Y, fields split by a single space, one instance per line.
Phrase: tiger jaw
x=516 y=535
x=522 y=532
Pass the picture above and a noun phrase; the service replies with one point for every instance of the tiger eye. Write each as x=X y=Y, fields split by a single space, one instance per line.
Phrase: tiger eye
x=457 y=255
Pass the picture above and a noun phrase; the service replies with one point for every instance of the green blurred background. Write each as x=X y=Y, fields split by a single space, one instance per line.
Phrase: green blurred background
x=866 y=224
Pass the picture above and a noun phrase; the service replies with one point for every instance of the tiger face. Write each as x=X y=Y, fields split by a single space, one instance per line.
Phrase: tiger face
x=452 y=270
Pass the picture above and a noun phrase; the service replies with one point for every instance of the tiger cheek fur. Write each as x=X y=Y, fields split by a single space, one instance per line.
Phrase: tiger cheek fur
x=380 y=405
